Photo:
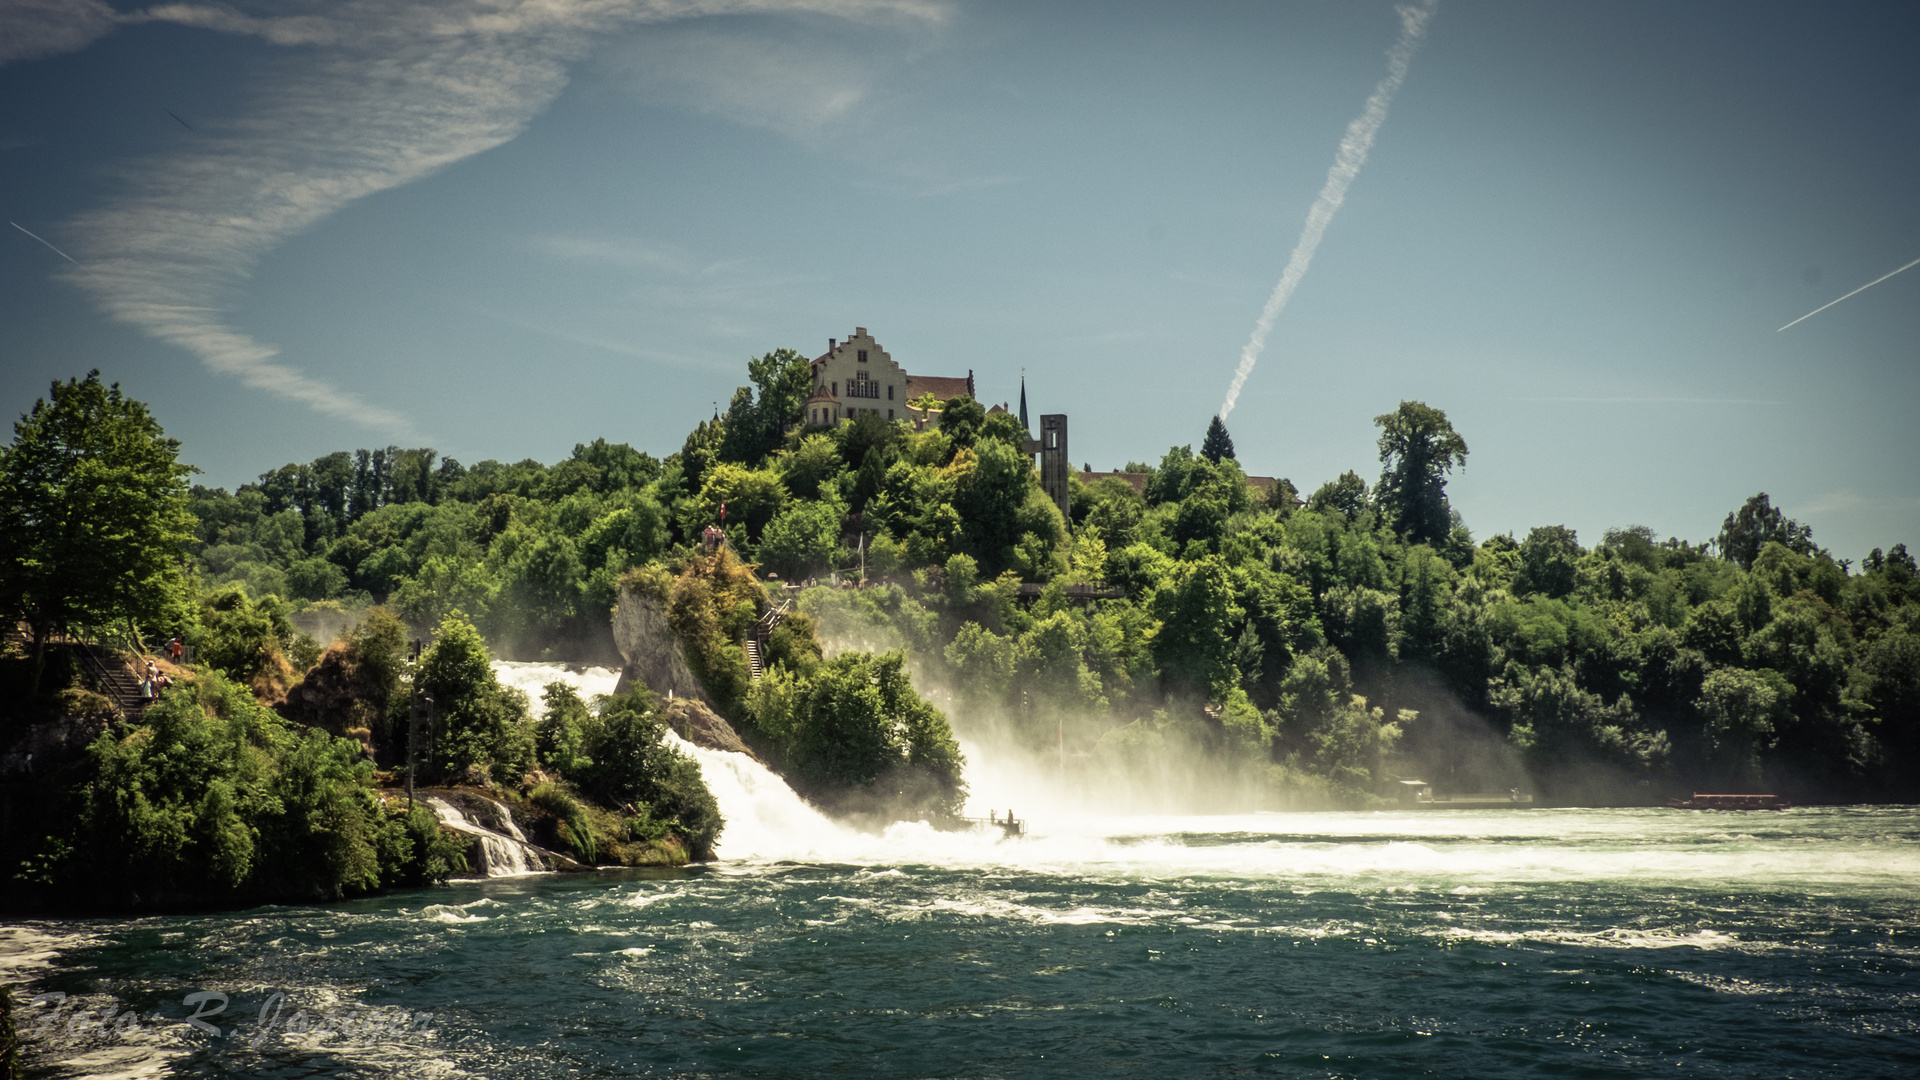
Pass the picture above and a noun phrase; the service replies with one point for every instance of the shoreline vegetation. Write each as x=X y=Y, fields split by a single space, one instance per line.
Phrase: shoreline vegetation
x=829 y=596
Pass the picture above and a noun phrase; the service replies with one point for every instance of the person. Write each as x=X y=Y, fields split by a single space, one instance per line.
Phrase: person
x=146 y=682
x=174 y=649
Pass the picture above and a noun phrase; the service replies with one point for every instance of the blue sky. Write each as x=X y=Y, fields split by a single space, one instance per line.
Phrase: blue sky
x=503 y=228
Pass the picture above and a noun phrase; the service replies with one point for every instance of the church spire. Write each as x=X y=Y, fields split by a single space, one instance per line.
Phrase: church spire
x=1024 y=426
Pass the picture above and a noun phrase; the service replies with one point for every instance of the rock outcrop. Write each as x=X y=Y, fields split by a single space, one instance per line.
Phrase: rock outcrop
x=651 y=650
x=701 y=726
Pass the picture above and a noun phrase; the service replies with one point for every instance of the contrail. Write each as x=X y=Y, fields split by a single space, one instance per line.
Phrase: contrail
x=1346 y=166
x=176 y=116
x=50 y=247
x=1855 y=292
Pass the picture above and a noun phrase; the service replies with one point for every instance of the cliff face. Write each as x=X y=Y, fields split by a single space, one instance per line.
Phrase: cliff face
x=651 y=651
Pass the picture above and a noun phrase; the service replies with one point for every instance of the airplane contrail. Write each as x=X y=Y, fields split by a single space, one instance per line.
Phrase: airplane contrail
x=176 y=116
x=50 y=247
x=1346 y=166
x=1855 y=292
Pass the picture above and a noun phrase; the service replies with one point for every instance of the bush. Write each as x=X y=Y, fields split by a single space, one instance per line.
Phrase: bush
x=215 y=798
x=854 y=735
x=633 y=765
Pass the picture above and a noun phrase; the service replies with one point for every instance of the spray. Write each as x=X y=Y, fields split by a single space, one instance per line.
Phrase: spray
x=1346 y=165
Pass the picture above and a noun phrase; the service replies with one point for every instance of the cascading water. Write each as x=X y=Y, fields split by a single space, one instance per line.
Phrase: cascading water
x=501 y=855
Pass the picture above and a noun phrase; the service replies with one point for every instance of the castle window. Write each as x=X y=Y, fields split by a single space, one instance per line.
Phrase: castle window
x=836 y=389
x=889 y=414
x=863 y=356
x=889 y=392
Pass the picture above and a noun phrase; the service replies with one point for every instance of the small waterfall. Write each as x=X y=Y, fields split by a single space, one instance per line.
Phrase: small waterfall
x=500 y=855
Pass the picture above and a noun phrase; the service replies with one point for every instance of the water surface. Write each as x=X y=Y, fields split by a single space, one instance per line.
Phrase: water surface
x=1500 y=943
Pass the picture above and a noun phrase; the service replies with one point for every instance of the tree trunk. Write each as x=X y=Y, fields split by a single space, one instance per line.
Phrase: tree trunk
x=39 y=655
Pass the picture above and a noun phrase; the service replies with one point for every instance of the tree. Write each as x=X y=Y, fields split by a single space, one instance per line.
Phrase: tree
x=481 y=722
x=1549 y=561
x=1749 y=528
x=1418 y=447
x=961 y=419
x=93 y=515
x=1346 y=496
x=1218 y=444
x=756 y=424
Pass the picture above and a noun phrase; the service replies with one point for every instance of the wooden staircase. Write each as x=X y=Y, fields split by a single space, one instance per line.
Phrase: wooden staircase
x=761 y=634
x=111 y=676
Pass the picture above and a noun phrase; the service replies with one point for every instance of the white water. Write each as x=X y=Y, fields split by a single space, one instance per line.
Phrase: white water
x=500 y=855
x=768 y=822
x=531 y=678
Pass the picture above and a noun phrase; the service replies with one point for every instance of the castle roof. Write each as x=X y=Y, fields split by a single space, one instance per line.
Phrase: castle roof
x=944 y=387
x=824 y=396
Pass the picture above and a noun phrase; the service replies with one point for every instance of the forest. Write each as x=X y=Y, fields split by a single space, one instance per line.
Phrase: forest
x=1334 y=642
x=1291 y=648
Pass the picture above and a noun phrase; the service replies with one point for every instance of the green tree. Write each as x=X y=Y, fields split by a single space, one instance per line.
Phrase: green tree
x=801 y=537
x=1218 y=444
x=1346 y=496
x=1748 y=529
x=629 y=762
x=1549 y=561
x=1418 y=448
x=93 y=515
x=481 y=722
x=1744 y=711
x=961 y=419
x=855 y=735
x=1197 y=614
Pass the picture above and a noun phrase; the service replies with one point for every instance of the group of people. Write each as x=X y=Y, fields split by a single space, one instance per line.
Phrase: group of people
x=153 y=680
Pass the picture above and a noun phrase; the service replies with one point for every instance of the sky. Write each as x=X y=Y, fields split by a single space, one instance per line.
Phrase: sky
x=502 y=228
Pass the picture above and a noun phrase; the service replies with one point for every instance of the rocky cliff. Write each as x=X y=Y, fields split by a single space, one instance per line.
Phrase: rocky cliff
x=651 y=651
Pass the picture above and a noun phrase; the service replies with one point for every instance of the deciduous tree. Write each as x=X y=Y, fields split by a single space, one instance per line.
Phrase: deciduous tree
x=1418 y=448
x=93 y=515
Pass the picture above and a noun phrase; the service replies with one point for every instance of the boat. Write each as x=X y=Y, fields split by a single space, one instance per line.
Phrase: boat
x=1702 y=801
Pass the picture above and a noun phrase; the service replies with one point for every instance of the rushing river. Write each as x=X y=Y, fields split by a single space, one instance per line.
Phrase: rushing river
x=1446 y=943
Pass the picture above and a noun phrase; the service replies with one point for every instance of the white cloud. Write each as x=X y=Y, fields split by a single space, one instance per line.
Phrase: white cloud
x=30 y=29
x=382 y=93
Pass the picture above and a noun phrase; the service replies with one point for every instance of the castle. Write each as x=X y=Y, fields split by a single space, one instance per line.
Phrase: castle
x=857 y=375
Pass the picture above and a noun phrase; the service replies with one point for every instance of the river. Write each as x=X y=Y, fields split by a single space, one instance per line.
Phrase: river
x=1446 y=943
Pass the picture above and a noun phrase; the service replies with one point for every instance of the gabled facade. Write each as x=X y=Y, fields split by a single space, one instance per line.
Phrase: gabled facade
x=857 y=376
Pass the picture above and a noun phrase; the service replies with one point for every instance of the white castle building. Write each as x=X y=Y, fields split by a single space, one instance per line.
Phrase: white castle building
x=858 y=376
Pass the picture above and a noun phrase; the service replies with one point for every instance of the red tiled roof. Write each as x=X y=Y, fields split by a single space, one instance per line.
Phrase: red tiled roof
x=943 y=387
x=823 y=395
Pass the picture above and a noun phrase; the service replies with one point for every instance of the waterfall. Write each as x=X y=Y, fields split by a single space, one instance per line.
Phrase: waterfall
x=765 y=819
x=500 y=855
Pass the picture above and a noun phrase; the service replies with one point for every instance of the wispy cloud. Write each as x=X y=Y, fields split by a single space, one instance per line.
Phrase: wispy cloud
x=1624 y=400
x=1847 y=499
x=31 y=29
x=781 y=85
x=380 y=93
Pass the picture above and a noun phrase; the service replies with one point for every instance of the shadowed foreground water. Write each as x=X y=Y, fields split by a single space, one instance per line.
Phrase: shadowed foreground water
x=1537 y=942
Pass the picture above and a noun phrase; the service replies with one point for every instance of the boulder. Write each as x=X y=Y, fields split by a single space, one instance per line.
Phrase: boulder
x=695 y=722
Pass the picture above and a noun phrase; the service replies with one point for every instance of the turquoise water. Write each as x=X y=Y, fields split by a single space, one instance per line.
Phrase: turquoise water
x=1513 y=943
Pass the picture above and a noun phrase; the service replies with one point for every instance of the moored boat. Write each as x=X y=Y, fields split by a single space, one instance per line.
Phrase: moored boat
x=1701 y=801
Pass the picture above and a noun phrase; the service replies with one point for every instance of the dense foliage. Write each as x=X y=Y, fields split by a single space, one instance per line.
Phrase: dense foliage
x=1329 y=645
x=217 y=799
